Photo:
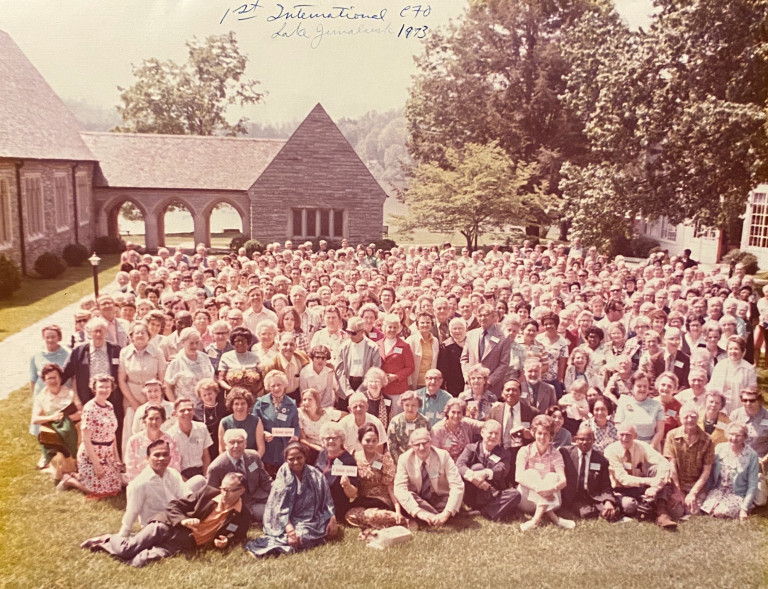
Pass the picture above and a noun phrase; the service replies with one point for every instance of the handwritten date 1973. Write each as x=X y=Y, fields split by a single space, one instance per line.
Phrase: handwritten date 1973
x=412 y=32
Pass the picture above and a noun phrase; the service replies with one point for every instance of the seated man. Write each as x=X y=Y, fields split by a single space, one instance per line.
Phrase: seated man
x=588 y=492
x=192 y=438
x=691 y=454
x=427 y=483
x=537 y=393
x=248 y=463
x=207 y=515
x=433 y=398
x=485 y=467
x=639 y=476
x=153 y=489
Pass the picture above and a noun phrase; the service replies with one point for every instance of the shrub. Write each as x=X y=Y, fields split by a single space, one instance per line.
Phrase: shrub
x=333 y=244
x=50 y=265
x=10 y=278
x=733 y=257
x=75 y=254
x=106 y=244
x=237 y=242
x=385 y=244
x=639 y=246
x=253 y=245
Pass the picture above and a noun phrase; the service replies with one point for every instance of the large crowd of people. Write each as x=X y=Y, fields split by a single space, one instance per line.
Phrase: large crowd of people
x=303 y=389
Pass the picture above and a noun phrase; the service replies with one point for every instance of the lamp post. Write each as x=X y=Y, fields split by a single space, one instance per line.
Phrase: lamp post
x=94 y=260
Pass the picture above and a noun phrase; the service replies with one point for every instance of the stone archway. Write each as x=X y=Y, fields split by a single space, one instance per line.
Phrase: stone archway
x=211 y=209
x=183 y=224
x=112 y=214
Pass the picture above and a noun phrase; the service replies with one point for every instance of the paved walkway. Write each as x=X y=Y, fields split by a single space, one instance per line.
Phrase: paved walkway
x=17 y=349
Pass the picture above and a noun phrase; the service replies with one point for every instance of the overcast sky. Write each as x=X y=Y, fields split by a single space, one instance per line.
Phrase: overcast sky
x=85 y=48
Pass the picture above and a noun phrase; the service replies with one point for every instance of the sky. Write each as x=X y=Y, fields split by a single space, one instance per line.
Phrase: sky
x=85 y=48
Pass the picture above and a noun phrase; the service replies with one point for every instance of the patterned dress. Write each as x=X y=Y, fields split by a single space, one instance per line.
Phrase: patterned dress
x=399 y=433
x=721 y=501
x=101 y=421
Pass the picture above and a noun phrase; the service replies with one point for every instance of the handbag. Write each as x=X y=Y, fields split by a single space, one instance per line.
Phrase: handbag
x=48 y=436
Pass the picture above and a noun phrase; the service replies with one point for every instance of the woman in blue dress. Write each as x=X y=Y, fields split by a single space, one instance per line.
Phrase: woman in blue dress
x=299 y=513
x=278 y=413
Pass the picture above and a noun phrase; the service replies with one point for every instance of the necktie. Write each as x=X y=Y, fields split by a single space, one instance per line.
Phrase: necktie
x=510 y=418
x=482 y=344
x=241 y=469
x=582 y=472
x=628 y=460
x=426 y=488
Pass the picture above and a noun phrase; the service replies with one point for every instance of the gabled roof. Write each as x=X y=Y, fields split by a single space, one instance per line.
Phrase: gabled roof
x=144 y=160
x=34 y=122
x=327 y=159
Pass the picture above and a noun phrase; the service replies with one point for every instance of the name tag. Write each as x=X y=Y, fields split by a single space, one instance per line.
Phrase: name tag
x=397 y=351
x=764 y=422
x=494 y=340
x=627 y=465
x=213 y=355
x=252 y=466
x=593 y=466
x=283 y=432
x=430 y=415
x=357 y=363
x=493 y=458
x=377 y=465
x=282 y=417
x=542 y=467
x=433 y=475
x=339 y=470
x=523 y=395
x=719 y=425
x=409 y=427
x=115 y=361
x=526 y=424
x=671 y=412
x=231 y=528
x=387 y=402
x=678 y=364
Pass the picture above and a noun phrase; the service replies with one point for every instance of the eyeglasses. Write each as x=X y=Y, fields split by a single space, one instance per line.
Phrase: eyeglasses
x=330 y=438
x=749 y=401
x=81 y=321
x=231 y=490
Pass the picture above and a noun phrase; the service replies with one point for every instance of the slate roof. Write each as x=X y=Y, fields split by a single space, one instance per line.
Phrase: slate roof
x=34 y=122
x=142 y=160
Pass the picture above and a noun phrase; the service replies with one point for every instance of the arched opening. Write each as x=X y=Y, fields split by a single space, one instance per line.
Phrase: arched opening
x=224 y=223
x=178 y=226
x=127 y=221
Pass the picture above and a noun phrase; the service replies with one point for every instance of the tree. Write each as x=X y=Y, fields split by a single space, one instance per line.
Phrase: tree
x=675 y=116
x=192 y=98
x=496 y=75
x=478 y=189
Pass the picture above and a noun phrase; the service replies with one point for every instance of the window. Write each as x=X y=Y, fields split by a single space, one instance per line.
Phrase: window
x=61 y=201
x=758 y=222
x=5 y=212
x=667 y=230
x=317 y=222
x=83 y=199
x=701 y=232
x=33 y=201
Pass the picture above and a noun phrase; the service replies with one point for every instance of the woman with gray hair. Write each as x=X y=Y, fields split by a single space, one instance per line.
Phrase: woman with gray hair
x=401 y=426
x=338 y=467
x=734 y=476
x=374 y=382
x=187 y=368
x=280 y=417
x=449 y=356
x=478 y=397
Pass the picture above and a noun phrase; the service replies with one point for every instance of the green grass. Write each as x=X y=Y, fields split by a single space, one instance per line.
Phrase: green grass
x=39 y=297
x=40 y=531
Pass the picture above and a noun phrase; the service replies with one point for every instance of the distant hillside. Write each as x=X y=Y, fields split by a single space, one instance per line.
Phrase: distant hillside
x=92 y=117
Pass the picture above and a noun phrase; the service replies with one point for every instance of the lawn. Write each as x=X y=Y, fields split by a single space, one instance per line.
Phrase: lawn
x=39 y=297
x=40 y=531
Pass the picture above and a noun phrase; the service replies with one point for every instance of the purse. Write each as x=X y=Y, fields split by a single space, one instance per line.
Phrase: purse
x=48 y=436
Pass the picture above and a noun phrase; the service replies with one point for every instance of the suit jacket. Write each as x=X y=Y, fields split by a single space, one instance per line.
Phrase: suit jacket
x=199 y=505
x=414 y=341
x=371 y=357
x=449 y=364
x=527 y=413
x=598 y=476
x=444 y=478
x=495 y=356
x=257 y=481
x=546 y=395
x=279 y=363
x=400 y=363
x=682 y=366
x=499 y=461
x=79 y=367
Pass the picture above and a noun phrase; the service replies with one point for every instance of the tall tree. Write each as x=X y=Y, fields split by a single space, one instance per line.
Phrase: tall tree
x=675 y=116
x=496 y=75
x=479 y=188
x=191 y=98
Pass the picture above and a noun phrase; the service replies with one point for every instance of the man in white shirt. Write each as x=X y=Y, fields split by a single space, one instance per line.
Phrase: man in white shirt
x=258 y=312
x=153 y=489
x=192 y=439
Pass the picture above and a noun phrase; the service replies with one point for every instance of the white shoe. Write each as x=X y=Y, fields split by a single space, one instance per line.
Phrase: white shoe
x=567 y=524
x=527 y=526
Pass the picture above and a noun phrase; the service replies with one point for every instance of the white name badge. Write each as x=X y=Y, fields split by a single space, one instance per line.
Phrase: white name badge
x=429 y=415
x=213 y=355
x=433 y=475
x=231 y=528
x=627 y=465
x=764 y=422
x=523 y=395
x=387 y=402
x=116 y=361
x=252 y=466
x=340 y=470
x=397 y=351
x=409 y=427
x=526 y=424
x=357 y=362
x=283 y=432
x=678 y=364
x=377 y=465
x=719 y=425
x=593 y=466
x=282 y=417
x=493 y=458
x=495 y=340
x=671 y=412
